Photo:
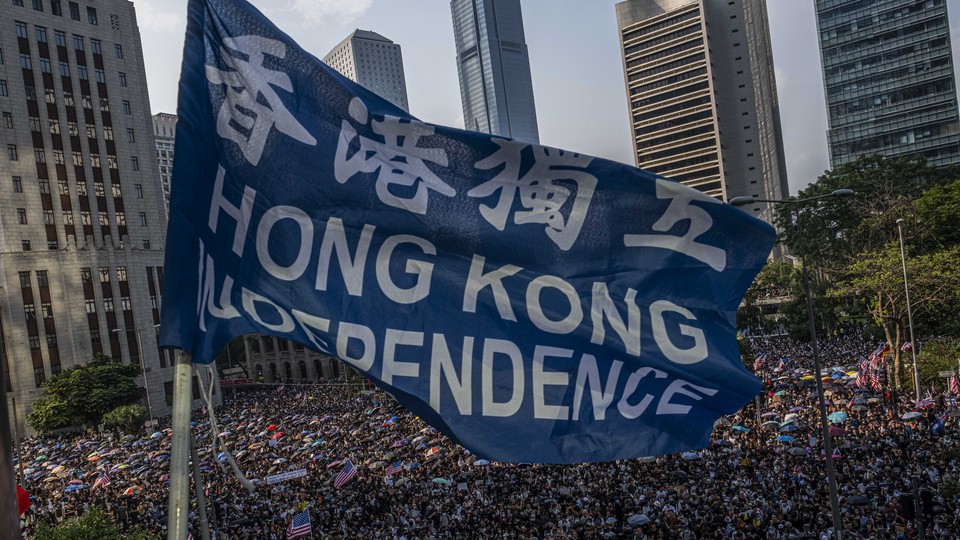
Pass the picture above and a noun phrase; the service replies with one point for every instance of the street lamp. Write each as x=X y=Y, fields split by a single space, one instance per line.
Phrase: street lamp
x=821 y=400
x=906 y=290
x=143 y=368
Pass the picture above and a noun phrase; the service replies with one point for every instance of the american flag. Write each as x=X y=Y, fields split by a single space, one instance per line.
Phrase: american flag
x=760 y=362
x=955 y=385
x=300 y=526
x=875 y=380
x=102 y=480
x=907 y=346
x=348 y=472
x=393 y=469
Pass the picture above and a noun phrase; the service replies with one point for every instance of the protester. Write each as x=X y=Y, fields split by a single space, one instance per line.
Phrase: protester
x=747 y=484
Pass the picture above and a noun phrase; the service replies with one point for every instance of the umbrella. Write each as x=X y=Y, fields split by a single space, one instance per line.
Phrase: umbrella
x=797 y=451
x=788 y=428
x=442 y=481
x=156 y=435
x=723 y=442
x=690 y=456
x=481 y=462
x=132 y=490
x=638 y=519
x=780 y=392
x=838 y=417
x=741 y=428
x=858 y=500
x=771 y=425
x=722 y=422
x=837 y=431
x=911 y=415
x=785 y=438
x=768 y=414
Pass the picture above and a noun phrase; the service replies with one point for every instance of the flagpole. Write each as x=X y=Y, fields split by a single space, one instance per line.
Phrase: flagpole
x=178 y=505
x=906 y=290
x=9 y=517
x=198 y=489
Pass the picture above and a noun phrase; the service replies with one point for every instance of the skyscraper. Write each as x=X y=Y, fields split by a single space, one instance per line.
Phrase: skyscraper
x=889 y=80
x=82 y=224
x=164 y=133
x=494 y=69
x=702 y=96
x=374 y=62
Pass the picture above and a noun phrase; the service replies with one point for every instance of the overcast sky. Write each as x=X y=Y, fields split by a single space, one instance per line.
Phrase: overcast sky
x=574 y=57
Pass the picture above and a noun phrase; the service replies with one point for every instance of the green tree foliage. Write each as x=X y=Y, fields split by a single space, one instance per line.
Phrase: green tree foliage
x=83 y=394
x=127 y=418
x=93 y=525
x=935 y=355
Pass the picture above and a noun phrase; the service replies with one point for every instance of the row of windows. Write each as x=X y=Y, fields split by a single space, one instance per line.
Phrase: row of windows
x=85 y=217
x=40 y=156
x=42 y=279
x=693 y=29
x=51 y=97
x=56 y=7
x=86 y=275
x=64 y=187
x=108 y=305
x=633 y=34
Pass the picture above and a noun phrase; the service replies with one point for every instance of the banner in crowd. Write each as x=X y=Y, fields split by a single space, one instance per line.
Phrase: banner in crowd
x=534 y=304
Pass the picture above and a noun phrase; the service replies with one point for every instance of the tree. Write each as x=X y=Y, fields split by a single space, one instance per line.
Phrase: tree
x=83 y=394
x=877 y=280
x=936 y=355
x=128 y=418
x=93 y=525
x=775 y=282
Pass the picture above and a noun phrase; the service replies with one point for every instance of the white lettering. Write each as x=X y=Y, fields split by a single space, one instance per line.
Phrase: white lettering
x=633 y=411
x=680 y=386
x=600 y=396
x=675 y=354
x=308 y=323
x=250 y=301
x=422 y=269
x=602 y=306
x=269 y=220
x=477 y=281
x=460 y=385
x=542 y=378
x=492 y=347
x=348 y=331
x=241 y=214
x=335 y=239
x=567 y=323
x=393 y=367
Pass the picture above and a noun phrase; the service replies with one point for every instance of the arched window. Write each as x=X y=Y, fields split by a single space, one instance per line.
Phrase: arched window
x=303 y=369
x=259 y=371
x=274 y=376
x=287 y=372
x=318 y=366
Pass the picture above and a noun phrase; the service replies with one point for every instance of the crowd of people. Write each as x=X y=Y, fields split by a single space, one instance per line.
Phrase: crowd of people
x=762 y=477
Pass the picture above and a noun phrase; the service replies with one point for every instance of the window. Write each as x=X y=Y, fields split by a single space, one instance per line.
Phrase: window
x=121 y=273
x=25 y=62
x=30 y=91
x=39 y=375
x=92 y=16
x=75 y=11
x=17 y=185
x=30 y=312
x=121 y=219
x=82 y=190
x=118 y=50
x=56 y=8
x=143 y=219
x=104 y=219
x=84 y=214
x=78 y=42
x=104 y=105
x=7 y=120
x=134 y=163
x=3 y=88
x=107 y=133
x=50 y=95
x=22 y=216
x=39 y=155
x=48 y=218
x=67 y=218
x=130 y=137
x=73 y=129
x=86 y=102
x=98 y=74
x=95 y=46
x=126 y=106
x=24 y=279
x=52 y=245
x=38 y=5
x=46 y=310
x=125 y=303
x=51 y=341
x=34 y=123
x=111 y=161
x=108 y=305
x=115 y=188
x=18 y=3
x=104 y=274
x=123 y=79
x=146 y=244
x=137 y=188
x=44 y=185
x=98 y=189
x=77 y=159
x=82 y=72
x=54 y=126
x=58 y=157
x=12 y=152
x=60 y=38
x=68 y=99
x=41 y=33
x=86 y=276
x=21 y=29
x=25 y=244
x=62 y=186
x=90 y=305
x=45 y=65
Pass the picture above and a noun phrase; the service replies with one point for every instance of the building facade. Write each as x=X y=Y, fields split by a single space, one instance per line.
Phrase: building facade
x=164 y=133
x=374 y=62
x=703 y=97
x=494 y=69
x=889 y=80
x=274 y=360
x=82 y=225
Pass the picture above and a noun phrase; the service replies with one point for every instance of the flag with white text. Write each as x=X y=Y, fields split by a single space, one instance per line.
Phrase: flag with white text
x=533 y=304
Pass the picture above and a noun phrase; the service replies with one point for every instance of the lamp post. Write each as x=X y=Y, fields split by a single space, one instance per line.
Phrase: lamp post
x=906 y=290
x=821 y=399
x=143 y=368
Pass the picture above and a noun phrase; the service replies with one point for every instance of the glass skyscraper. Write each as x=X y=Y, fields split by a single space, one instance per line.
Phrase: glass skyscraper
x=494 y=68
x=888 y=78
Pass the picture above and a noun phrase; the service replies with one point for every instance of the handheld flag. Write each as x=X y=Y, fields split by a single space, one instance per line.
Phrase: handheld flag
x=23 y=500
x=348 y=472
x=393 y=469
x=533 y=304
x=955 y=385
x=299 y=526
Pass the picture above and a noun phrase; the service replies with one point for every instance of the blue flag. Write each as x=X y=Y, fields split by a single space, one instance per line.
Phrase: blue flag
x=533 y=304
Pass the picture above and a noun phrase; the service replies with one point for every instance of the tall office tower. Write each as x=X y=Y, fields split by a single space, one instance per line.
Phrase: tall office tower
x=702 y=96
x=82 y=225
x=494 y=69
x=374 y=62
x=164 y=132
x=889 y=81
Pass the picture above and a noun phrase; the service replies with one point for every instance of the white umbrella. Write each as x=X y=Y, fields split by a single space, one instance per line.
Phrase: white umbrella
x=690 y=456
x=638 y=519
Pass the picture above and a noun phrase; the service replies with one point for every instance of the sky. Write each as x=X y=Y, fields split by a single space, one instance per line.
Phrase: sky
x=574 y=57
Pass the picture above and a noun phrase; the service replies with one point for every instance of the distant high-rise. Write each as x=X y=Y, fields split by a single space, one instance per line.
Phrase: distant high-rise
x=703 y=97
x=164 y=132
x=494 y=68
x=82 y=225
x=889 y=81
x=374 y=62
